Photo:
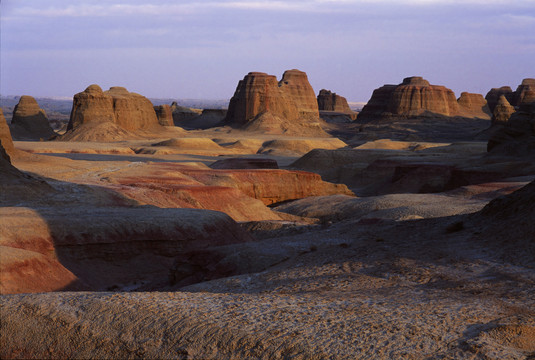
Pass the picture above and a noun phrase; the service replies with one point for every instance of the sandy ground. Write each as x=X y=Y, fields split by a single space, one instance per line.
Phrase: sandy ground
x=396 y=276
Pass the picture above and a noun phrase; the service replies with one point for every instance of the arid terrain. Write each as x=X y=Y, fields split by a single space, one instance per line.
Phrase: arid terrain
x=284 y=227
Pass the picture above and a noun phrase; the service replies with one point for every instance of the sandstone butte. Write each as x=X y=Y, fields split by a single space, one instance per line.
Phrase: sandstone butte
x=289 y=106
x=164 y=115
x=30 y=121
x=124 y=110
x=473 y=105
x=416 y=97
x=494 y=95
x=502 y=111
x=329 y=101
x=524 y=94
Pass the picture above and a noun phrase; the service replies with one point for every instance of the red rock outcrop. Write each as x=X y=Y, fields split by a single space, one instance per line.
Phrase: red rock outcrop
x=30 y=121
x=260 y=103
x=502 y=111
x=5 y=135
x=164 y=115
x=413 y=97
x=295 y=86
x=473 y=105
x=269 y=186
x=525 y=93
x=329 y=101
x=494 y=94
x=129 y=111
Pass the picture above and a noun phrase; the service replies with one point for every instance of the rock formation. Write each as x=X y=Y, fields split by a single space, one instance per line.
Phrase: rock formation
x=91 y=106
x=30 y=121
x=182 y=114
x=132 y=111
x=5 y=135
x=413 y=97
x=502 y=111
x=194 y=119
x=116 y=108
x=494 y=94
x=525 y=93
x=260 y=103
x=164 y=115
x=329 y=101
x=473 y=105
x=295 y=86
x=517 y=136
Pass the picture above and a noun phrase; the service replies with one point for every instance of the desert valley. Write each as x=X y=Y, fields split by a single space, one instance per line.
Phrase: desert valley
x=285 y=224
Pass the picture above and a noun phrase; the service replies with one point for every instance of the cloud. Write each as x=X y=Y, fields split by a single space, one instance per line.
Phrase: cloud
x=62 y=8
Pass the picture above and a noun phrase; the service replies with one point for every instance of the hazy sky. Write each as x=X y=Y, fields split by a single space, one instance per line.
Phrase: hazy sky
x=200 y=49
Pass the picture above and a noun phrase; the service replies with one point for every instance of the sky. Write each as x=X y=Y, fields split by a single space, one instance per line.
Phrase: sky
x=201 y=49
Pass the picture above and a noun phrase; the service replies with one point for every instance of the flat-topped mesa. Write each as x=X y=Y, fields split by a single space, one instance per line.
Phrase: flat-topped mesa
x=525 y=93
x=164 y=115
x=473 y=105
x=413 y=97
x=30 y=121
x=329 y=101
x=494 y=94
x=502 y=111
x=130 y=111
x=260 y=103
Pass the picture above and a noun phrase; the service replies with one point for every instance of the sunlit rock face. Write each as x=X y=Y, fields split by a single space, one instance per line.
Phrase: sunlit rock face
x=473 y=105
x=413 y=97
x=524 y=94
x=289 y=106
x=329 y=101
x=128 y=110
x=494 y=94
x=502 y=111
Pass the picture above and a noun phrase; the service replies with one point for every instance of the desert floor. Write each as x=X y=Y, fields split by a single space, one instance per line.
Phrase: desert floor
x=389 y=275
